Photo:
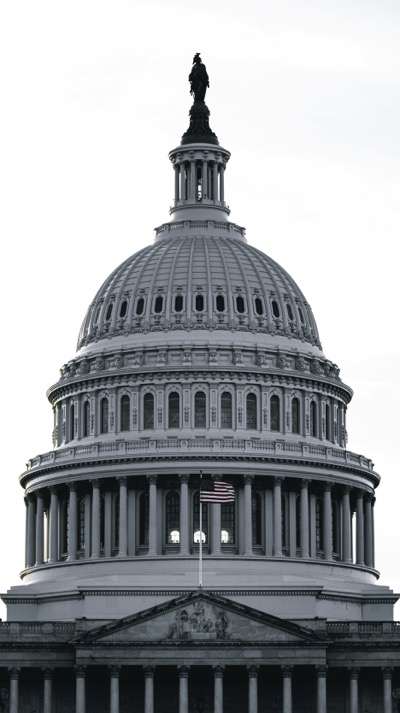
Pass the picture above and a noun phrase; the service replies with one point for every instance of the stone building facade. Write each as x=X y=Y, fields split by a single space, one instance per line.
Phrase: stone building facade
x=199 y=354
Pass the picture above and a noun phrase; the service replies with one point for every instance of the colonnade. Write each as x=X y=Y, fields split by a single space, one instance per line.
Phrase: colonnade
x=197 y=178
x=298 y=518
x=253 y=672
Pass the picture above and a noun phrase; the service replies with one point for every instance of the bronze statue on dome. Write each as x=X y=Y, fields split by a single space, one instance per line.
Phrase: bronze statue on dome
x=198 y=79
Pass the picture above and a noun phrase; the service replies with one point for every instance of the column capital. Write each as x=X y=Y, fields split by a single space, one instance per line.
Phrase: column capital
x=253 y=671
x=305 y=483
x=369 y=497
x=322 y=671
x=346 y=489
x=95 y=483
x=40 y=493
x=353 y=672
x=72 y=487
x=149 y=671
x=360 y=494
x=80 y=671
x=287 y=671
x=183 y=671
x=218 y=671
x=48 y=673
x=53 y=489
x=30 y=498
x=278 y=480
x=152 y=479
x=328 y=486
x=184 y=478
x=248 y=479
x=114 y=671
x=123 y=480
x=387 y=672
x=14 y=673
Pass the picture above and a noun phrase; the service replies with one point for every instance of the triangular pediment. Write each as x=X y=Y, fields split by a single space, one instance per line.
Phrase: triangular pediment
x=200 y=616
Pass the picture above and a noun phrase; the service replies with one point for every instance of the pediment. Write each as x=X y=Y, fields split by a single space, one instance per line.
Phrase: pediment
x=200 y=617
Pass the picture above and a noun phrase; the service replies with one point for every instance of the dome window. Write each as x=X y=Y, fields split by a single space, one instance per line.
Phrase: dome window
x=226 y=410
x=220 y=303
x=251 y=411
x=199 y=303
x=301 y=315
x=109 y=311
x=275 y=309
x=123 y=309
x=227 y=523
x=125 y=412
x=178 y=303
x=86 y=419
x=148 y=412
x=275 y=413
x=104 y=415
x=289 y=312
x=173 y=409
x=158 y=304
x=240 y=304
x=313 y=419
x=140 y=306
x=200 y=410
x=295 y=415
x=172 y=518
x=259 y=306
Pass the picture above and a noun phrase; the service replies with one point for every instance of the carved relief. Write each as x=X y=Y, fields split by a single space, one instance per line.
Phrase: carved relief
x=199 y=621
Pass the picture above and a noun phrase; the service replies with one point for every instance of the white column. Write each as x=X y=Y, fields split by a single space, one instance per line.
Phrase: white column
x=253 y=690
x=47 y=689
x=321 y=688
x=13 y=697
x=328 y=521
x=95 y=519
x=149 y=689
x=305 y=520
x=152 y=480
x=114 y=688
x=368 y=531
x=248 y=525
x=123 y=517
x=53 y=553
x=218 y=689
x=353 y=674
x=346 y=524
x=216 y=528
x=72 y=522
x=39 y=527
x=184 y=515
x=80 y=695
x=31 y=531
x=183 y=689
x=387 y=689
x=360 y=528
x=287 y=689
x=277 y=517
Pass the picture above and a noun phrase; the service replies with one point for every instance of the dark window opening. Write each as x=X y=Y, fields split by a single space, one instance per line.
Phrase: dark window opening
x=289 y=312
x=275 y=309
x=109 y=311
x=178 y=303
x=200 y=410
x=199 y=303
x=148 y=411
x=256 y=518
x=102 y=520
x=227 y=523
x=140 y=306
x=81 y=524
x=319 y=525
x=275 y=413
x=301 y=315
x=295 y=415
x=226 y=410
x=158 y=305
x=240 y=304
x=172 y=518
x=71 y=422
x=251 y=411
x=86 y=419
x=173 y=409
x=125 y=412
x=220 y=302
x=259 y=306
x=115 y=538
x=327 y=422
x=144 y=519
x=123 y=309
x=104 y=415
x=313 y=419
x=196 y=520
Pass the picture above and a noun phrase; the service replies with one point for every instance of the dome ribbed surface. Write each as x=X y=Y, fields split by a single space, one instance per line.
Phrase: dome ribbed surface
x=211 y=266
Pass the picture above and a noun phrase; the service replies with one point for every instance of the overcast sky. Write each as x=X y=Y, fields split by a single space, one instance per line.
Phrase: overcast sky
x=306 y=96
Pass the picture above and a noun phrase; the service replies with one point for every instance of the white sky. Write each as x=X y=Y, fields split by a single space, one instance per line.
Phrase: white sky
x=306 y=96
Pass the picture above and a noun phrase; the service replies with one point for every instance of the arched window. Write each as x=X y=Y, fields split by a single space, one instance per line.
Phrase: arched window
x=148 y=411
x=158 y=304
x=178 y=303
x=144 y=519
x=227 y=523
x=123 y=309
x=200 y=420
x=259 y=306
x=104 y=415
x=86 y=419
x=301 y=315
x=289 y=312
x=275 y=309
x=140 y=306
x=115 y=521
x=109 y=311
x=71 y=422
x=172 y=518
x=251 y=411
x=125 y=409
x=81 y=524
x=256 y=519
x=313 y=419
x=295 y=415
x=196 y=519
x=240 y=306
x=199 y=303
x=226 y=409
x=275 y=406
x=319 y=524
x=173 y=409
x=327 y=422
x=220 y=303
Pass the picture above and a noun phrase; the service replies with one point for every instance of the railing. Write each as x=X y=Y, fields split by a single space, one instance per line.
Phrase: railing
x=351 y=628
x=153 y=446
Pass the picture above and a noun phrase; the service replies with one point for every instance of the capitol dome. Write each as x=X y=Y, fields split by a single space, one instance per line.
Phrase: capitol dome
x=199 y=357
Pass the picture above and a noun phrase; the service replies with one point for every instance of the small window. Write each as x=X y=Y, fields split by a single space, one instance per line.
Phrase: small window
x=313 y=419
x=178 y=303
x=275 y=413
x=125 y=412
x=259 y=306
x=200 y=410
x=86 y=419
x=148 y=411
x=251 y=411
x=123 y=309
x=227 y=523
x=295 y=415
x=240 y=304
x=289 y=312
x=301 y=315
x=196 y=520
x=199 y=303
x=328 y=422
x=109 y=311
x=140 y=306
x=226 y=410
x=220 y=302
x=104 y=415
x=275 y=309
x=158 y=304
x=96 y=319
x=173 y=409
x=71 y=422
x=172 y=518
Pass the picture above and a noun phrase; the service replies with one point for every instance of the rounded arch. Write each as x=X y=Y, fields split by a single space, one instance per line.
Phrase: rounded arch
x=148 y=409
x=313 y=417
x=200 y=399
x=226 y=408
x=125 y=411
x=275 y=411
x=174 y=407
x=295 y=415
x=104 y=408
x=86 y=417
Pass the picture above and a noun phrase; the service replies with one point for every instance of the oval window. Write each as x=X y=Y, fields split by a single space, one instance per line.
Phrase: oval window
x=289 y=312
x=158 y=305
x=275 y=309
x=199 y=303
x=123 y=309
x=178 y=303
x=109 y=311
x=140 y=306
x=220 y=302
x=259 y=306
x=240 y=304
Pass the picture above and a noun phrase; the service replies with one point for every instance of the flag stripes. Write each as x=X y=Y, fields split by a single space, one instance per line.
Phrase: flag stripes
x=216 y=491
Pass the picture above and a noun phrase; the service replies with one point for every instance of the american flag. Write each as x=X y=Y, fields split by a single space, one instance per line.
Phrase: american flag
x=216 y=491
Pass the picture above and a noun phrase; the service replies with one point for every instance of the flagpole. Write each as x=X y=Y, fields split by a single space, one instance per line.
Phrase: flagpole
x=201 y=536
